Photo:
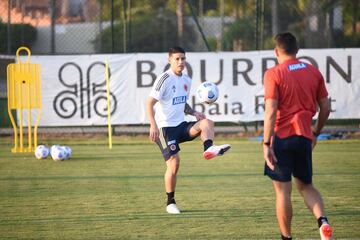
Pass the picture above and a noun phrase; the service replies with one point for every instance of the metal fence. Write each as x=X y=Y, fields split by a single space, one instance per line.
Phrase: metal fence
x=112 y=26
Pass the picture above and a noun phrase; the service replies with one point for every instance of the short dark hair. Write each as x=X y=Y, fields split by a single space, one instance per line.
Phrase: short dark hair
x=176 y=49
x=287 y=42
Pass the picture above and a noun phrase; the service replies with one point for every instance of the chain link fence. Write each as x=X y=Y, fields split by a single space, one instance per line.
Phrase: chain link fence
x=120 y=26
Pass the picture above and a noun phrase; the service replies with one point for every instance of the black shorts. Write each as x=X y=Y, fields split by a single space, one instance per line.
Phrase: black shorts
x=294 y=155
x=170 y=137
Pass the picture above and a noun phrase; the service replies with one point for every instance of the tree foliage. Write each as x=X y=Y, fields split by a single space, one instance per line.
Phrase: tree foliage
x=21 y=35
x=153 y=24
x=150 y=31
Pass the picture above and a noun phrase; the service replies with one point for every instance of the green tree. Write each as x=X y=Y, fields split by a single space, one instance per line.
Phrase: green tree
x=150 y=33
x=350 y=36
x=21 y=35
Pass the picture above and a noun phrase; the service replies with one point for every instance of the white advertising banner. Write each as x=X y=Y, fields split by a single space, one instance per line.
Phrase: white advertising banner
x=74 y=87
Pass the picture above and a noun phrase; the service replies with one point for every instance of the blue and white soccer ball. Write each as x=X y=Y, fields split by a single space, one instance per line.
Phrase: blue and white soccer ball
x=53 y=147
x=207 y=92
x=57 y=153
x=67 y=151
x=41 y=152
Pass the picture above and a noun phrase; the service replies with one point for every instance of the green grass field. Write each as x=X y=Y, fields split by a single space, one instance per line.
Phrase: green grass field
x=119 y=193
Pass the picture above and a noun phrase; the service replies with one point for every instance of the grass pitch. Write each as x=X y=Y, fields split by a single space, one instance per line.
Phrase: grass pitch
x=119 y=193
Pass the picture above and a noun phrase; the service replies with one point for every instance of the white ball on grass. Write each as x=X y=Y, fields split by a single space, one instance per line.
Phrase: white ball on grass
x=67 y=151
x=57 y=153
x=42 y=152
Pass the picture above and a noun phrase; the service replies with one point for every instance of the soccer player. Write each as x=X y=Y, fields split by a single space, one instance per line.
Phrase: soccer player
x=168 y=127
x=293 y=90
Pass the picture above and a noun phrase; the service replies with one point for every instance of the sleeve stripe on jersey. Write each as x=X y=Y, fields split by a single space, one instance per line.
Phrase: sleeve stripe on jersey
x=161 y=81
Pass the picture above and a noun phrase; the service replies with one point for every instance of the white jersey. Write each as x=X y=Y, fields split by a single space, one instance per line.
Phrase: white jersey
x=172 y=92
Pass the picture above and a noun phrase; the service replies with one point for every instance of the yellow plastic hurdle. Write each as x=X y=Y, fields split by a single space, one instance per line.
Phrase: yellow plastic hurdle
x=24 y=93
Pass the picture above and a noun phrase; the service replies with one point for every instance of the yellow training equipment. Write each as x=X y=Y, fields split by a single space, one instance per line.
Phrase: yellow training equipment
x=24 y=93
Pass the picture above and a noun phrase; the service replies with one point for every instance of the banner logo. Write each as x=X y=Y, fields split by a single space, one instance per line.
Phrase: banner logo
x=82 y=93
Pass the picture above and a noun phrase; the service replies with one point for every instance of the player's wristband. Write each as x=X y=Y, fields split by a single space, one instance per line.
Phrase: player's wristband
x=267 y=143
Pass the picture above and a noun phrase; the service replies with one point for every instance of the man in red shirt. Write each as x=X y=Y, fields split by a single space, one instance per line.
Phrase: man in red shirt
x=293 y=90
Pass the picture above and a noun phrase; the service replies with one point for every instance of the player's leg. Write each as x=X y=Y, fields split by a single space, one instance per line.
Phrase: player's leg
x=312 y=198
x=172 y=167
x=205 y=128
x=169 y=147
x=303 y=180
x=314 y=202
x=283 y=207
x=281 y=178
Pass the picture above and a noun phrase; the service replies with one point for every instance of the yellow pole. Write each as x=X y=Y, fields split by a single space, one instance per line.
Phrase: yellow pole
x=21 y=129
x=24 y=90
x=20 y=109
x=108 y=102
x=29 y=149
x=37 y=91
x=11 y=92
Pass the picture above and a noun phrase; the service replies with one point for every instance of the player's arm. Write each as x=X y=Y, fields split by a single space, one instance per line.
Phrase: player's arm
x=192 y=112
x=324 y=112
x=271 y=106
x=154 y=130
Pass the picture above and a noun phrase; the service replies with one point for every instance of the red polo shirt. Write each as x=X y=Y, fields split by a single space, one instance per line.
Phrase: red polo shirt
x=297 y=86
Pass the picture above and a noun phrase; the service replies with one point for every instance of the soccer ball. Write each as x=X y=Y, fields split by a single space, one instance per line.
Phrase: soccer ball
x=53 y=147
x=57 y=153
x=41 y=152
x=67 y=151
x=207 y=92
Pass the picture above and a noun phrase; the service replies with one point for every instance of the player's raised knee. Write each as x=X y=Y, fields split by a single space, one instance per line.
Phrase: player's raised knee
x=207 y=123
